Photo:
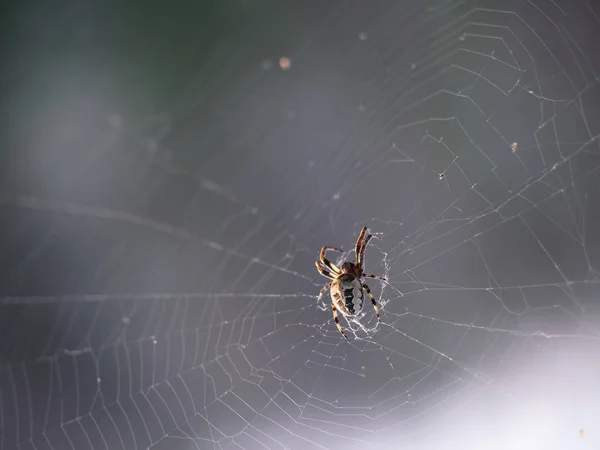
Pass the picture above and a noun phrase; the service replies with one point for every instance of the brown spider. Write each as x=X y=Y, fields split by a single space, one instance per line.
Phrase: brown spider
x=347 y=286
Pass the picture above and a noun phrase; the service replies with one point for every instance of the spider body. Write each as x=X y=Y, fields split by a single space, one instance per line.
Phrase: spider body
x=347 y=294
x=347 y=288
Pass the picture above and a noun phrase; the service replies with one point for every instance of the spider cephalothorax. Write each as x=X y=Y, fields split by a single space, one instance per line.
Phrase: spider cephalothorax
x=347 y=287
x=349 y=267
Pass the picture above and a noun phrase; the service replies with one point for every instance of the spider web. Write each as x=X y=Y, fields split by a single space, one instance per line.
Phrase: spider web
x=172 y=289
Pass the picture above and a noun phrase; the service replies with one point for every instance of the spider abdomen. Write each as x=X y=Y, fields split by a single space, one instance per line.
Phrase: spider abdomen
x=347 y=294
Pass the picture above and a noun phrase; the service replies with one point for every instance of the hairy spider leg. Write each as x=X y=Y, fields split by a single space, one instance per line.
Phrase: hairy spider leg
x=363 y=248
x=323 y=271
x=327 y=286
x=377 y=277
x=336 y=320
x=372 y=301
x=328 y=263
x=359 y=242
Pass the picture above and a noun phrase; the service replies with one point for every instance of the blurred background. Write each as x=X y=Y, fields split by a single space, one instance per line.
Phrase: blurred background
x=169 y=172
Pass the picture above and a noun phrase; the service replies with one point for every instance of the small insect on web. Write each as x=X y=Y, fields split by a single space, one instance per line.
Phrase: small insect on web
x=347 y=286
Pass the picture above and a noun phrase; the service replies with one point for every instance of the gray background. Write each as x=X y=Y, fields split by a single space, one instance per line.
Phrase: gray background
x=165 y=188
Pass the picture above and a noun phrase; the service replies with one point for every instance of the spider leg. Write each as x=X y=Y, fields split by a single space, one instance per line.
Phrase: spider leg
x=359 y=242
x=328 y=263
x=372 y=301
x=327 y=286
x=336 y=320
x=361 y=251
x=323 y=271
x=377 y=277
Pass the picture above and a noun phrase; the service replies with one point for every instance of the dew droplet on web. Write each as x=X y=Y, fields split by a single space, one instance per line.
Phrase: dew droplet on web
x=285 y=63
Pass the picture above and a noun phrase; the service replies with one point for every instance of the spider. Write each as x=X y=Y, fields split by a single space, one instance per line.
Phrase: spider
x=347 y=287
